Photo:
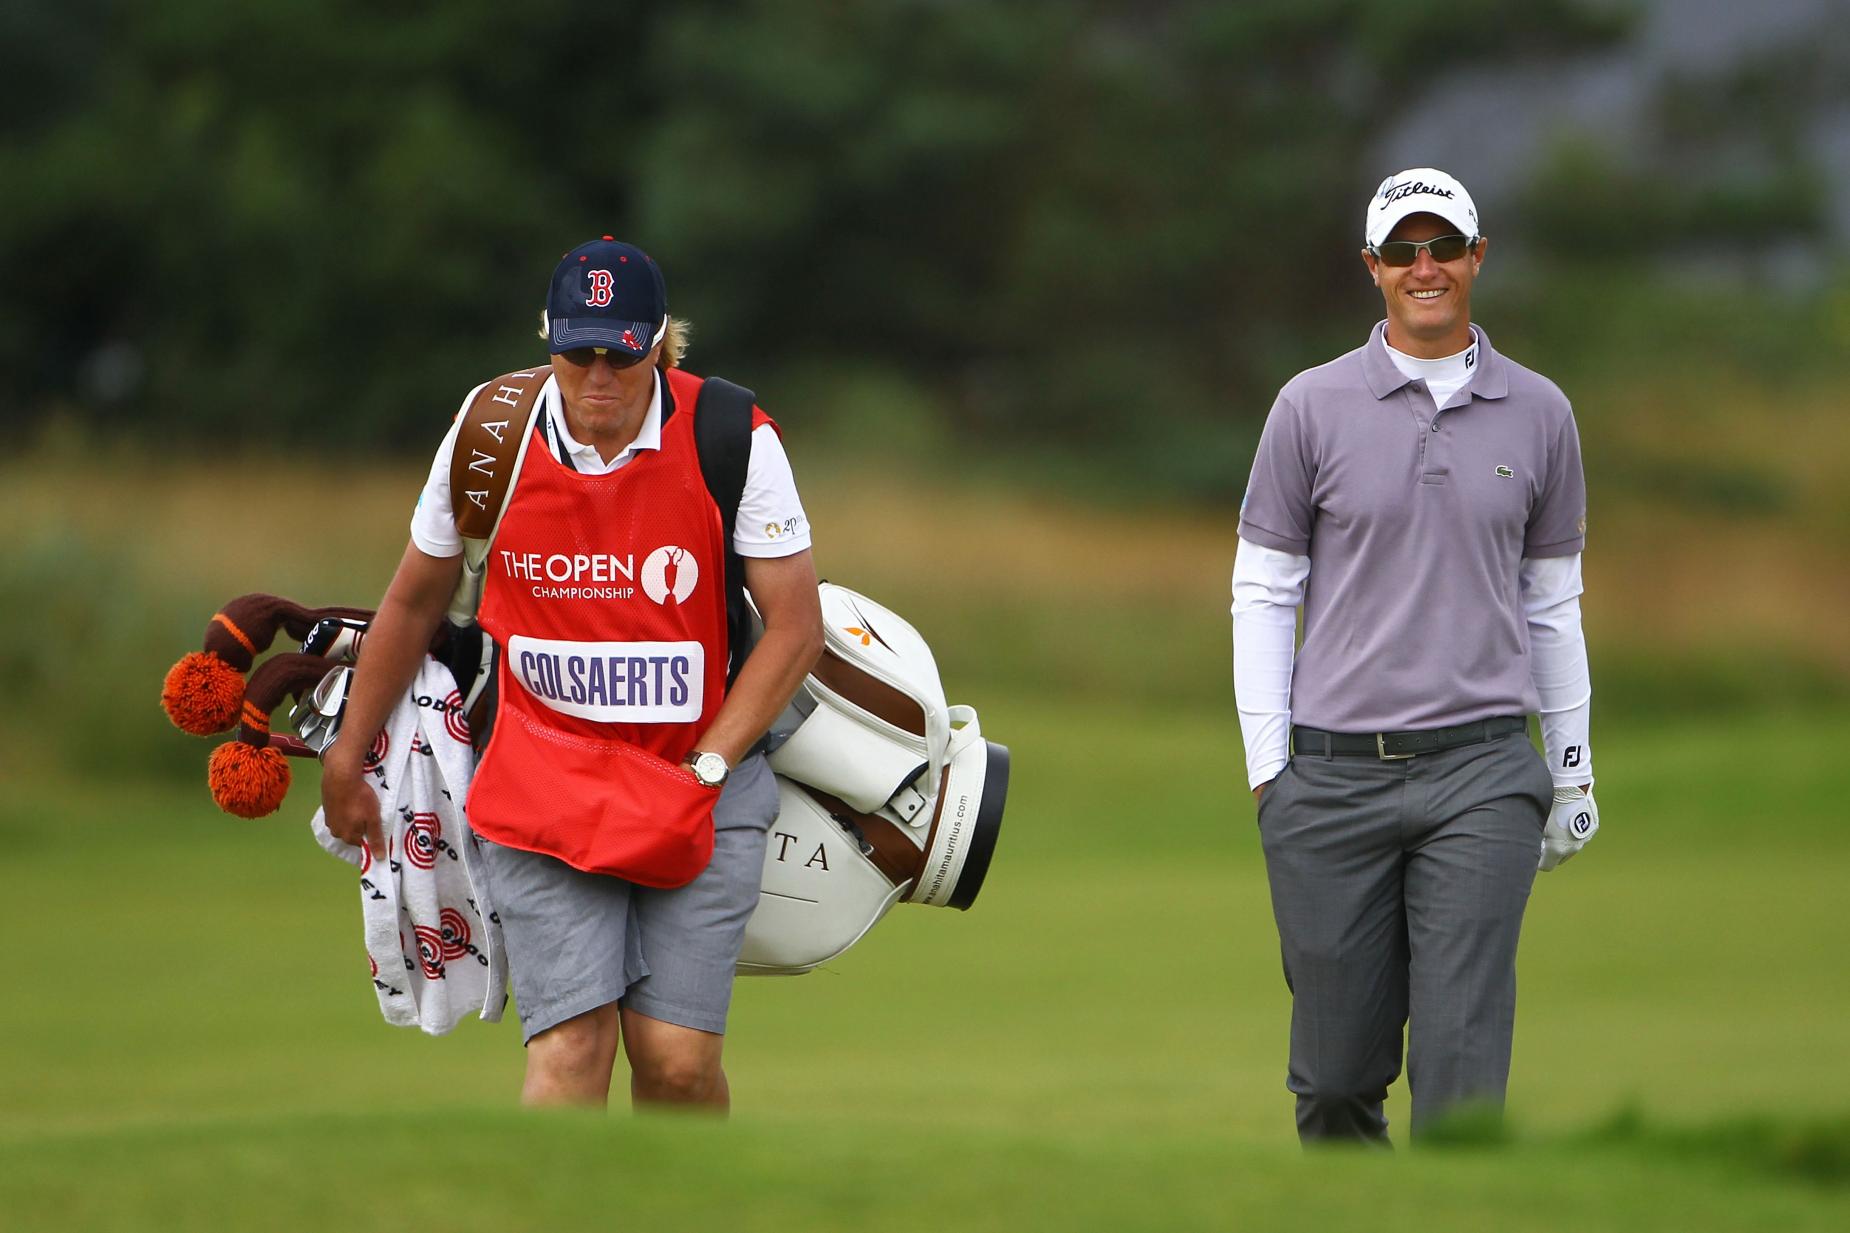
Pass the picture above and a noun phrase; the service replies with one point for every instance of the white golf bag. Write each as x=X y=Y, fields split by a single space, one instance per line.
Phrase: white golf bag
x=888 y=793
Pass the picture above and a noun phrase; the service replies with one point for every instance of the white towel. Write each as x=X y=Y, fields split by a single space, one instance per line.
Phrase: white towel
x=432 y=937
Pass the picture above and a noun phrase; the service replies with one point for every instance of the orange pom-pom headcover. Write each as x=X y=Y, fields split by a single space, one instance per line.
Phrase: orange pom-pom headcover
x=206 y=691
x=202 y=692
x=247 y=781
x=247 y=777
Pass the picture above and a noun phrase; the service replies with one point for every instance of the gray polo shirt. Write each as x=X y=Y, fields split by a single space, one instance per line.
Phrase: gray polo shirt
x=1416 y=524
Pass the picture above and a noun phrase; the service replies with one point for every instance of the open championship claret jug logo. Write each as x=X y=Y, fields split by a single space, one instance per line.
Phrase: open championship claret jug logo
x=669 y=571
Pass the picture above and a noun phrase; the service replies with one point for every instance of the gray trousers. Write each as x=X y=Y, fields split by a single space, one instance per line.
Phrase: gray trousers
x=1399 y=889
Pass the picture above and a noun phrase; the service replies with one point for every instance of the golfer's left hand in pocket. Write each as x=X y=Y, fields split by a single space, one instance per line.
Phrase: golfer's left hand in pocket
x=1572 y=823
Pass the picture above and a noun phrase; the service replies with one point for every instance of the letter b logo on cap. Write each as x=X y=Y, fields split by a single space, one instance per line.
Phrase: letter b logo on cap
x=599 y=294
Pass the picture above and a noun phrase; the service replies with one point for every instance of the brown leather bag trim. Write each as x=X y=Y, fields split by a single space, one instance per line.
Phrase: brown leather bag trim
x=893 y=854
x=873 y=696
x=482 y=467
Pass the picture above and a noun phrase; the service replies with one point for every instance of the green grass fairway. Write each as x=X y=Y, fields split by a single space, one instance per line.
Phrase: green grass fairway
x=190 y=1040
x=496 y=1170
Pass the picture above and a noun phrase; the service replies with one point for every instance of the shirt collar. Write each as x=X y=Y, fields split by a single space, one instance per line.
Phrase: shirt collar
x=1491 y=380
x=648 y=437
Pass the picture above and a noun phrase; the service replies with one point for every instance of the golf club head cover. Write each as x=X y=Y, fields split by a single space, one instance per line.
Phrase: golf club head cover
x=247 y=777
x=204 y=691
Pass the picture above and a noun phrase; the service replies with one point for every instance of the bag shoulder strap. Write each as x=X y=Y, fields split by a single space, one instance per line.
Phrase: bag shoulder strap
x=723 y=441
x=491 y=443
x=489 y=447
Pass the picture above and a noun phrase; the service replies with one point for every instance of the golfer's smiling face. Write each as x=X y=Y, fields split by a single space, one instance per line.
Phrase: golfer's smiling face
x=1429 y=302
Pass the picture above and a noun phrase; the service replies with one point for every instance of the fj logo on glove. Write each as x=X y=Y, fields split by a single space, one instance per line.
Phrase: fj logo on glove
x=1582 y=825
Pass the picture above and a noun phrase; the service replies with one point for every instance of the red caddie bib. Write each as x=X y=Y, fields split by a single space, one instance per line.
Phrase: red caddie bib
x=606 y=597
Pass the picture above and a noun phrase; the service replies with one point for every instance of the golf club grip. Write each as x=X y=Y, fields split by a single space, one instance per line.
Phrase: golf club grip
x=290 y=746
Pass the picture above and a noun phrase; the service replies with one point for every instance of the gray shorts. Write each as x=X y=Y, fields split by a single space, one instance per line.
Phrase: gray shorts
x=577 y=941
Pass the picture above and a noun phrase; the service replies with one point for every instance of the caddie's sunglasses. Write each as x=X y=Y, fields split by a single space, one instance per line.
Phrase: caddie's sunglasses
x=1443 y=248
x=581 y=357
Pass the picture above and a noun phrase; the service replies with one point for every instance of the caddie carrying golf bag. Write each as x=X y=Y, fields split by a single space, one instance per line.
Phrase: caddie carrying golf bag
x=888 y=794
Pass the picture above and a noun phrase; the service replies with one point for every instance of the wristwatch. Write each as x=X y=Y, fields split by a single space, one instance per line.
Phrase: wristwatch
x=709 y=768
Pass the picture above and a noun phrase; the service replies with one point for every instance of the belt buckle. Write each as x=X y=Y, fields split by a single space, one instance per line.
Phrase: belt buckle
x=1381 y=748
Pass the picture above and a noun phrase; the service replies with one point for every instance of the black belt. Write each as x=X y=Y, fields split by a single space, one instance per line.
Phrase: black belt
x=1394 y=745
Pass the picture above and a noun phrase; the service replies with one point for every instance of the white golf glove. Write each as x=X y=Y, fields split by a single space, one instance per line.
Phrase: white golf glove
x=1571 y=823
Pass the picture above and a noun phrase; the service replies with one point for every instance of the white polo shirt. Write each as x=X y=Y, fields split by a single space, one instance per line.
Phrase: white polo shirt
x=771 y=522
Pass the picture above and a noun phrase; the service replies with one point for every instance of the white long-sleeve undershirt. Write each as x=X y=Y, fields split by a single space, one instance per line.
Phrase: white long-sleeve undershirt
x=1550 y=589
x=1268 y=587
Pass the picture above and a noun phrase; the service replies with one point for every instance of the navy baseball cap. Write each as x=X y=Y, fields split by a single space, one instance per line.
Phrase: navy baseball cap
x=607 y=294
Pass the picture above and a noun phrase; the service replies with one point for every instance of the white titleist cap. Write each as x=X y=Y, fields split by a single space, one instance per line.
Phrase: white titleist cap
x=1419 y=190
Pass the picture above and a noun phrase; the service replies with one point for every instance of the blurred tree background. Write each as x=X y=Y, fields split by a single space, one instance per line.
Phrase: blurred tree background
x=318 y=221
x=1020 y=278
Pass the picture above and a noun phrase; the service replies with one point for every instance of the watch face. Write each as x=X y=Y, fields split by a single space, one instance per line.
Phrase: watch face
x=710 y=769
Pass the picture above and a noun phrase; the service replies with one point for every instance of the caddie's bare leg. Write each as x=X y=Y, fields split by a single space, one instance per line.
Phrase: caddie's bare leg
x=674 y=1065
x=570 y=1064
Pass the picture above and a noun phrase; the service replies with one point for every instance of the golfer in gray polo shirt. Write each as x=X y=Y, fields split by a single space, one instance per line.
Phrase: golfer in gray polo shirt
x=1421 y=497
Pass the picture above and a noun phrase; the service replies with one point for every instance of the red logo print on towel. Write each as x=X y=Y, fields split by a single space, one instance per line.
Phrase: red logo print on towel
x=454 y=722
x=430 y=952
x=454 y=935
x=422 y=838
x=382 y=744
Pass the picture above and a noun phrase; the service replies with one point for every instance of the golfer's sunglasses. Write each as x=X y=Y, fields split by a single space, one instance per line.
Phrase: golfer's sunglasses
x=581 y=357
x=1443 y=248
